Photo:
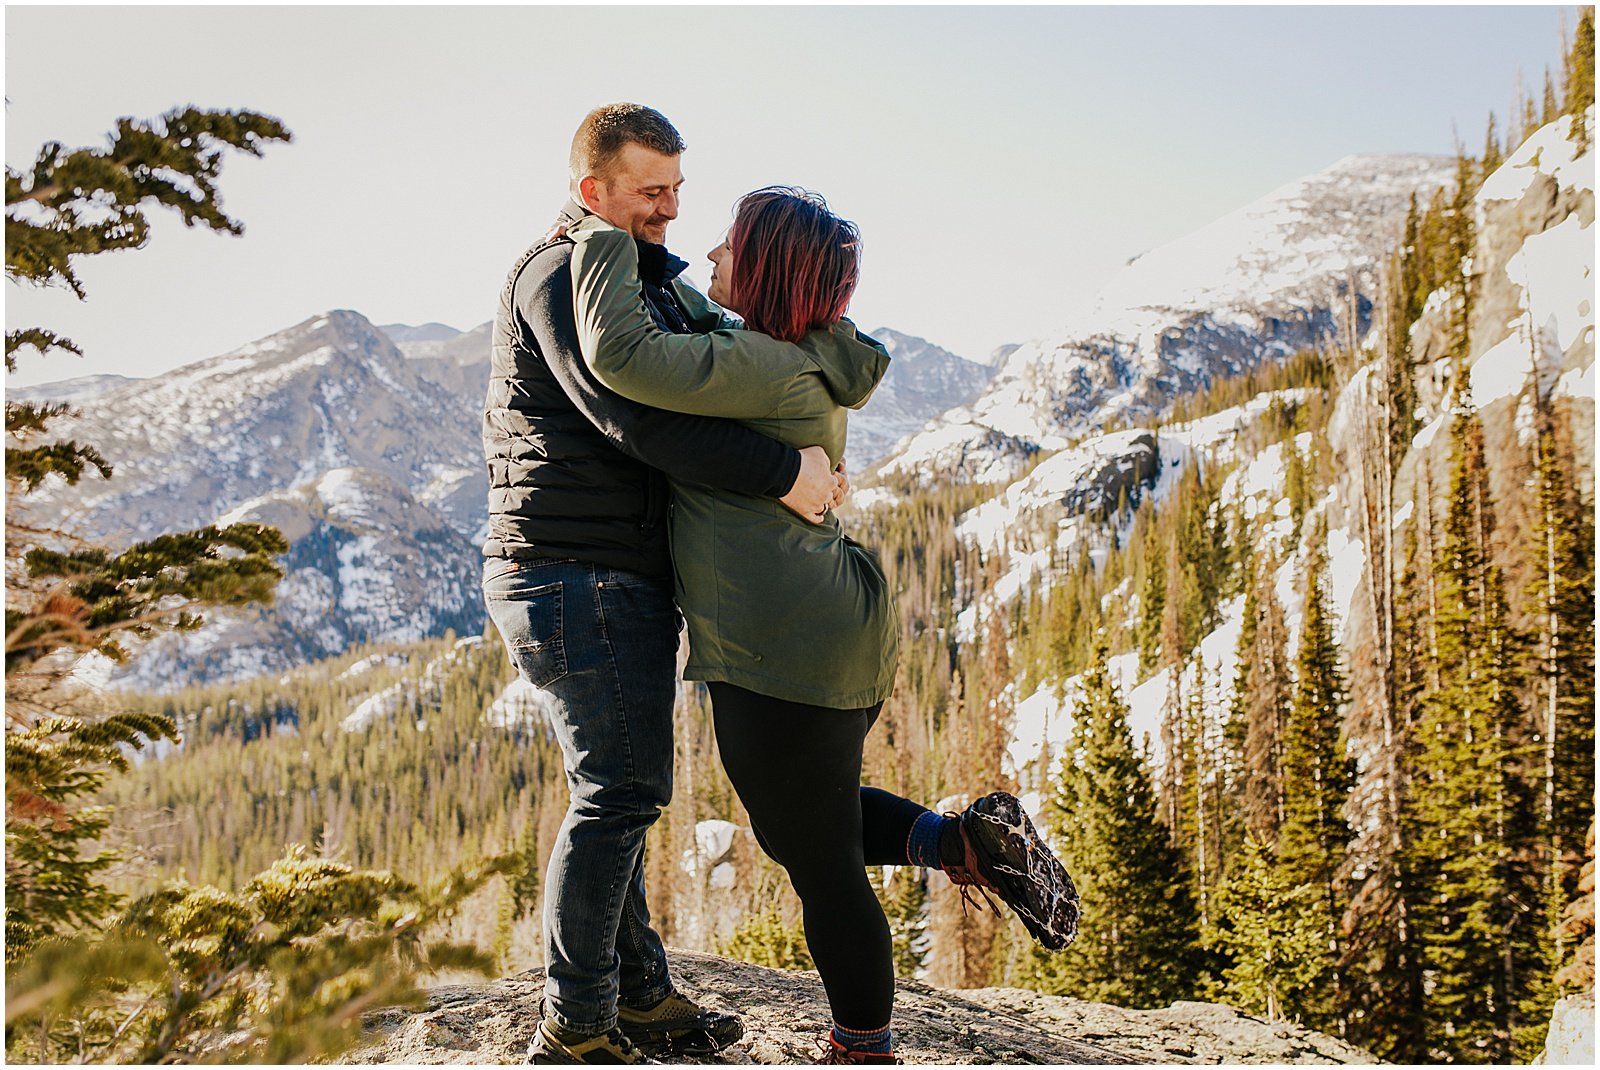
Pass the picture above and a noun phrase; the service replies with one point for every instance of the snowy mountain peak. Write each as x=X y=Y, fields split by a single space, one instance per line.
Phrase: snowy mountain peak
x=1301 y=242
x=426 y=332
x=326 y=430
x=1292 y=270
x=910 y=349
x=924 y=380
x=337 y=334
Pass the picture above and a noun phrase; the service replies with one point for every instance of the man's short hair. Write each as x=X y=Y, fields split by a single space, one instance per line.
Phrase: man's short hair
x=604 y=132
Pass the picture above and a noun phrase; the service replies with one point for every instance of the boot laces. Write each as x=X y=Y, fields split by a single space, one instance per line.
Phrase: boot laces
x=967 y=877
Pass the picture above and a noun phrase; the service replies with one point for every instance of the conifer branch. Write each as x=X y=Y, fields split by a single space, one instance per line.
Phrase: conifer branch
x=39 y=340
x=85 y=201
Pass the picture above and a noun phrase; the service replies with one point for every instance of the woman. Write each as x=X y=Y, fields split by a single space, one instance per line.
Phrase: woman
x=792 y=624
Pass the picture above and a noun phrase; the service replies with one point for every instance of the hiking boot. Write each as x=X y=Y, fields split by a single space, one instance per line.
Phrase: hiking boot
x=1004 y=855
x=553 y=1045
x=836 y=1054
x=678 y=1026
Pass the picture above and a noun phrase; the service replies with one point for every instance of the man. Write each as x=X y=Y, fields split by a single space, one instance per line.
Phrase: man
x=578 y=581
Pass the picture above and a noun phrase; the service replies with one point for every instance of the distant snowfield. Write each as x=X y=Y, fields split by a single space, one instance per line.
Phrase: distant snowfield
x=520 y=706
x=423 y=694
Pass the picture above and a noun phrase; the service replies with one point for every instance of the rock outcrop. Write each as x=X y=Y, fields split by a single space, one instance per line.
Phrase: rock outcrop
x=1570 y=1041
x=786 y=1013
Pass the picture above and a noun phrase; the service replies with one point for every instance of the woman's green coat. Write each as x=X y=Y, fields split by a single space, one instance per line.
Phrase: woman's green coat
x=774 y=604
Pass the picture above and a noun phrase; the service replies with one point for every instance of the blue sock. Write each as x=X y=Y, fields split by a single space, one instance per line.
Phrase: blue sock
x=922 y=846
x=873 y=1041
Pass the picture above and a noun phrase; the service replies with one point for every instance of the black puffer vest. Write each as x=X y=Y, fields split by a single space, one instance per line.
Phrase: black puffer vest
x=557 y=486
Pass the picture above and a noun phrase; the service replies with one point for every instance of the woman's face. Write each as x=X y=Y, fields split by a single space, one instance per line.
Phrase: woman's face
x=721 y=288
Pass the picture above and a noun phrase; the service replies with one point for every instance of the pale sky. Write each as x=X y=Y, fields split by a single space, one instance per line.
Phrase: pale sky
x=1001 y=163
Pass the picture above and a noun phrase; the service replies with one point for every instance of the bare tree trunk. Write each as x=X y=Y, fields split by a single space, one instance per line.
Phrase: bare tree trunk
x=1425 y=529
x=1552 y=687
x=1200 y=746
x=1552 y=650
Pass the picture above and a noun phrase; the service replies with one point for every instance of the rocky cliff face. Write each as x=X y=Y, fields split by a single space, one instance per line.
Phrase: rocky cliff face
x=785 y=1014
x=923 y=383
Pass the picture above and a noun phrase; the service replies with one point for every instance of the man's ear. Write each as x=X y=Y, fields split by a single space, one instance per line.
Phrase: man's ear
x=589 y=192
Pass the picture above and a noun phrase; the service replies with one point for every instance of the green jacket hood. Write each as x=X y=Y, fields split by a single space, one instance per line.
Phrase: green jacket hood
x=852 y=363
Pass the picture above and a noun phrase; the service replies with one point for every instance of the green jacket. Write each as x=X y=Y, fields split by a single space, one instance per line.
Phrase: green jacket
x=774 y=604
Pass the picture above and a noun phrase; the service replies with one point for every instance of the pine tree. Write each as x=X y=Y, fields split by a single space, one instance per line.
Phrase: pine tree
x=277 y=973
x=1318 y=777
x=1564 y=663
x=1195 y=811
x=962 y=951
x=1297 y=483
x=1561 y=666
x=65 y=597
x=1264 y=704
x=1102 y=814
x=280 y=971
x=767 y=939
x=998 y=709
x=1271 y=933
x=1580 y=77
x=905 y=903
x=1464 y=804
x=1152 y=603
x=1400 y=312
x=1460 y=237
x=1316 y=771
x=1235 y=728
x=1385 y=984
x=1493 y=155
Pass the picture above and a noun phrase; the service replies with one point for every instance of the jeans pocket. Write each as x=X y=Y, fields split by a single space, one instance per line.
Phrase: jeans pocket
x=530 y=621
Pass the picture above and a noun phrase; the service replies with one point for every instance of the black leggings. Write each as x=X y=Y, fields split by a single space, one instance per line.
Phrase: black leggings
x=797 y=769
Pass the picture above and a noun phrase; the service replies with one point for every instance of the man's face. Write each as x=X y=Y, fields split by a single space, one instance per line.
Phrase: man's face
x=641 y=196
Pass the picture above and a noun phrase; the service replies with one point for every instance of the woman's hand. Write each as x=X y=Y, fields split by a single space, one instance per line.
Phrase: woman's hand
x=817 y=488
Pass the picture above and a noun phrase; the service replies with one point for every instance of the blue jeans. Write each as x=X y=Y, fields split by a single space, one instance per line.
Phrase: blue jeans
x=604 y=643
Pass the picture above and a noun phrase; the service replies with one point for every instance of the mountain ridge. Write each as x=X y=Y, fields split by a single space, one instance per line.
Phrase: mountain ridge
x=389 y=427
x=1293 y=270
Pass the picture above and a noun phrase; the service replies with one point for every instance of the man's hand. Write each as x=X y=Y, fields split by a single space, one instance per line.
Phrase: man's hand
x=816 y=489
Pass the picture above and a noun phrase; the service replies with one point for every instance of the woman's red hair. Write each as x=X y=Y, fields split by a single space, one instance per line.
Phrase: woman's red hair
x=795 y=264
